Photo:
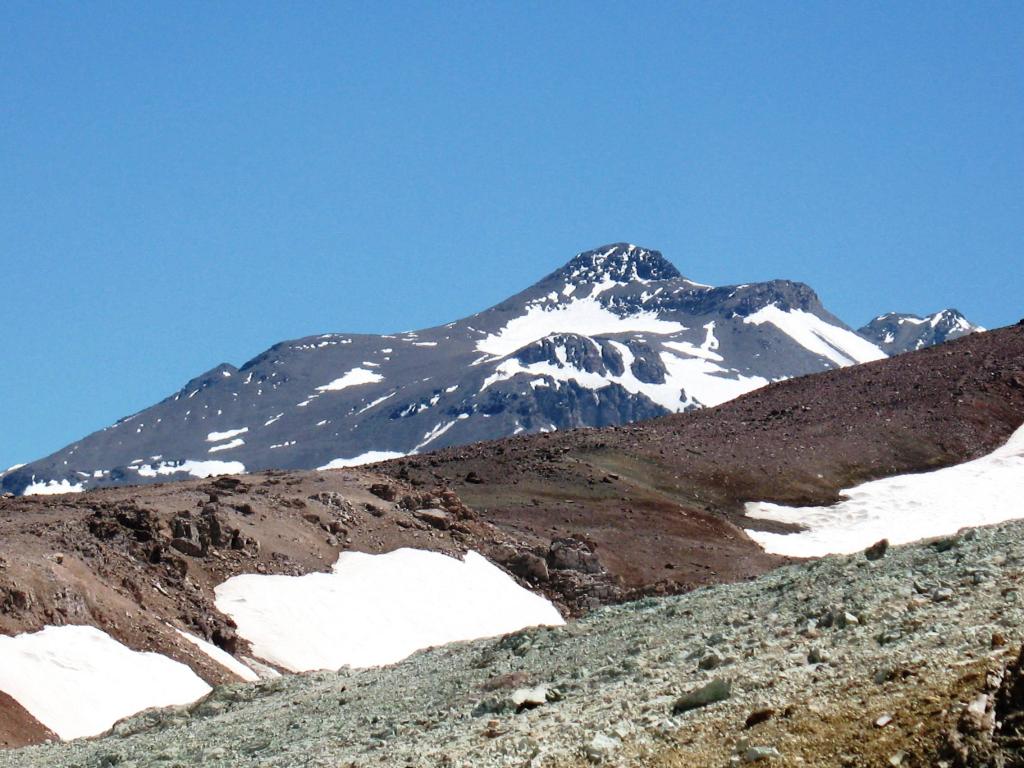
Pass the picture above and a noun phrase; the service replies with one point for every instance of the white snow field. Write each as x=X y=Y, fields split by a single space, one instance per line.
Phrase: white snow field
x=904 y=508
x=373 y=610
x=78 y=680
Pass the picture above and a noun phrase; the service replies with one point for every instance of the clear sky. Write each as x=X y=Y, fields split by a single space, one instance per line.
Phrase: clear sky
x=188 y=183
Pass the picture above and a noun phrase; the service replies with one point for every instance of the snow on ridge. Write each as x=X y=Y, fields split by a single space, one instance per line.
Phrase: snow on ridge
x=11 y=469
x=373 y=610
x=216 y=437
x=837 y=344
x=51 y=487
x=585 y=317
x=370 y=457
x=904 y=508
x=78 y=681
x=352 y=378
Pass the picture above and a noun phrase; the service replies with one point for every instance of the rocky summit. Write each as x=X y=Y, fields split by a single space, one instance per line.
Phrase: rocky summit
x=896 y=332
x=616 y=335
x=902 y=656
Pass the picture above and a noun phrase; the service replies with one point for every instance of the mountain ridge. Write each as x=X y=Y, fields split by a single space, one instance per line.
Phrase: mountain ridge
x=615 y=335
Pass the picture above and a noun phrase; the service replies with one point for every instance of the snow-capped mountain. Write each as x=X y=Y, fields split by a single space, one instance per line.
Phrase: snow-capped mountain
x=897 y=332
x=615 y=335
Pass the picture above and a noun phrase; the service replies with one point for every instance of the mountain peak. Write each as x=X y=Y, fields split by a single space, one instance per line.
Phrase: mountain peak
x=896 y=332
x=619 y=263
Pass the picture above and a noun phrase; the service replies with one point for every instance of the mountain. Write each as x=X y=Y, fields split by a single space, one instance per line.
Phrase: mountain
x=896 y=332
x=616 y=335
x=107 y=583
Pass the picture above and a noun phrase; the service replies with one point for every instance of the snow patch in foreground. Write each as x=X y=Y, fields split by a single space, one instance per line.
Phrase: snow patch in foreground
x=904 y=508
x=51 y=487
x=377 y=609
x=78 y=680
x=370 y=457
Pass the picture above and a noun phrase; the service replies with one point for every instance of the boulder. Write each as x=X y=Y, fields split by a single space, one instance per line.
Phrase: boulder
x=717 y=690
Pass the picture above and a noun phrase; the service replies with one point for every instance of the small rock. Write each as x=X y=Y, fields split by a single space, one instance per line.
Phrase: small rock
x=384 y=491
x=883 y=721
x=756 y=754
x=715 y=691
x=529 y=566
x=711 y=661
x=817 y=656
x=758 y=716
x=601 y=747
x=529 y=698
x=436 y=518
x=877 y=550
x=942 y=594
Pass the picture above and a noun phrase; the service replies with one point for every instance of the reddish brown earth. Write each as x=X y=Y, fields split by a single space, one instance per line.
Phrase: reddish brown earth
x=18 y=728
x=586 y=517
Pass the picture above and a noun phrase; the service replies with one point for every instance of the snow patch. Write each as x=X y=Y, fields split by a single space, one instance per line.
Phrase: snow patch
x=433 y=434
x=904 y=508
x=208 y=468
x=78 y=681
x=585 y=317
x=216 y=437
x=352 y=378
x=377 y=609
x=227 y=446
x=51 y=487
x=370 y=457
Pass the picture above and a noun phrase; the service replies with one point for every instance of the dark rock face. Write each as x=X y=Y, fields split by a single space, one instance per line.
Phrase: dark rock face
x=616 y=335
x=895 y=332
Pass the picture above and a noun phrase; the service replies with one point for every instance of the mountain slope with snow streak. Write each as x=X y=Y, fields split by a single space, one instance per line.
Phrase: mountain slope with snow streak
x=616 y=335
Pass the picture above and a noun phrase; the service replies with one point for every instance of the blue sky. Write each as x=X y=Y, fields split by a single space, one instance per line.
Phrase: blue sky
x=187 y=183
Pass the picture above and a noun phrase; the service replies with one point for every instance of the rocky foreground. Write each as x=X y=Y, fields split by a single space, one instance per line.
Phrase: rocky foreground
x=899 y=657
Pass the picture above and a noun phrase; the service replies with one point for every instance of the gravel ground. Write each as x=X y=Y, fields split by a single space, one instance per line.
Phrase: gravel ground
x=841 y=661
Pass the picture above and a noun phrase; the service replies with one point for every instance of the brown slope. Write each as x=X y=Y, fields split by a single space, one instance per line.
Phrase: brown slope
x=18 y=728
x=662 y=498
